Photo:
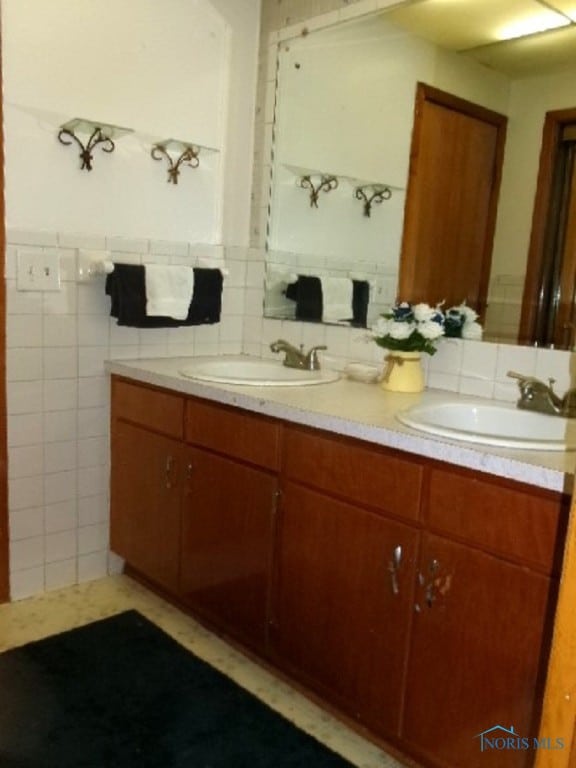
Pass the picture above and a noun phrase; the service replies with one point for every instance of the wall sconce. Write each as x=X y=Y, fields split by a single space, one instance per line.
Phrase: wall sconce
x=188 y=156
x=327 y=183
x=97 y=133
x=379 y=194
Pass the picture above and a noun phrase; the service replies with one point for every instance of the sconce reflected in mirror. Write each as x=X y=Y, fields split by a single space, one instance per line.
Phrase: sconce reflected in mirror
x=326 y=184
x=379 y=194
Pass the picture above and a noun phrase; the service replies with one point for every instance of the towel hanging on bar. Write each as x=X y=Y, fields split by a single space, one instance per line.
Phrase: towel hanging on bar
x=126 y=287
x=309 y=296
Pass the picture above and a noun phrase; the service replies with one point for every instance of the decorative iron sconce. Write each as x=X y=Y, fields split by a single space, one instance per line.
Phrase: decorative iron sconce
x=327 y=183
x=188 y=156
x=379 y=194
x=97 y=133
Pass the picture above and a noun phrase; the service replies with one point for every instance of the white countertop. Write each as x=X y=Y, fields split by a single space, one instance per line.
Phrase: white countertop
x=363 y=411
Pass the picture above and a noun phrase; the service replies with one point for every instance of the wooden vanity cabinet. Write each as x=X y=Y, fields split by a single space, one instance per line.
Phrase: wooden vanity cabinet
x=342 y=606
x=476 y=657
x=145 y=483
x=483 y=616
x=194 y=513
x=344 y=576
x=228 y=519
x=413 y=596
x=459 y=642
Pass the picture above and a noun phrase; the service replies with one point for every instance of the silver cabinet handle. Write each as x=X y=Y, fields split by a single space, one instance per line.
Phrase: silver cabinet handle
x=429 y=584
x=430 y=592
x=393 y=567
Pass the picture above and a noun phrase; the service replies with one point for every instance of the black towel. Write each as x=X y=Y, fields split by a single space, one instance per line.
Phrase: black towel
x=307 y=292
x=126 y=286
x=360 y=301
x=206 y=302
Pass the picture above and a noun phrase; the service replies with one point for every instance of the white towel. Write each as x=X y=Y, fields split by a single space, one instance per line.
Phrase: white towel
x=336 y=299
x=168 y=290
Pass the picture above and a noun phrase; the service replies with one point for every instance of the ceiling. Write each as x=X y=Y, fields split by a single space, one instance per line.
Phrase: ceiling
x=498 y=33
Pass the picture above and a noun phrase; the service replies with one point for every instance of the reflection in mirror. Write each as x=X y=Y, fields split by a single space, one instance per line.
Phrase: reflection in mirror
x=352 y=127
x=345 y=108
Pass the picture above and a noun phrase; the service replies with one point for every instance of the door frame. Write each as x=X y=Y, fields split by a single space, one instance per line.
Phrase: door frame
x=4 y=538
x=553 y=124
x=559 y=710
x=408 y=255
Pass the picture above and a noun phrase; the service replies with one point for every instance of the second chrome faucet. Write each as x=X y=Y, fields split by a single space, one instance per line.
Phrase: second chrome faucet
x=536 y=395
x=297 y=358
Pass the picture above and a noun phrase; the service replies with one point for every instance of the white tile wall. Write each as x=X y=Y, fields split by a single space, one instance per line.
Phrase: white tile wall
x=58 y=404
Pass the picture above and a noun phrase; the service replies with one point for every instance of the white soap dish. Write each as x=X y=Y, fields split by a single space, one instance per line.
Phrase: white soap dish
x=368 y=374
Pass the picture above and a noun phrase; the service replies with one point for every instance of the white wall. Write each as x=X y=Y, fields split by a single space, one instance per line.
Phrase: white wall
x=58 y=396
x=167 y=70
x=243 y=17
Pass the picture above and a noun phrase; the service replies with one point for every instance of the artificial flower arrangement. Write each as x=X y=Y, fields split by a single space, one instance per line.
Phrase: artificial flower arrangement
x=417 y=327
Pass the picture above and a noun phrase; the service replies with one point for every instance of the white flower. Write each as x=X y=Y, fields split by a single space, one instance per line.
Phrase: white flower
x=431 y=330
x=423 y=312
x=472 y=331
x=467 y=312
x=381 y=327
x=400 y=330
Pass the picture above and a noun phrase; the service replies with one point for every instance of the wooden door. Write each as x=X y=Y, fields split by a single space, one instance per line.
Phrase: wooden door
x=477 y=655
x=454 y=180
x=548 y=316
x=145 y=502
x=342 y=603
x=562 y=335
x=227 y=540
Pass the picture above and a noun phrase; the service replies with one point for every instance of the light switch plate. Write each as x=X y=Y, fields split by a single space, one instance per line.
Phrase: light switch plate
x=38 y=271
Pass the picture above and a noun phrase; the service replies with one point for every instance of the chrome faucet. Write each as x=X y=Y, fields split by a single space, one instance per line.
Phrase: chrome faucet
x=297 y=358
x=535 y=395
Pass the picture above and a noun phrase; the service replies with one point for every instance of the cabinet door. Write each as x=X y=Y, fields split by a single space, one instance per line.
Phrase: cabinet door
x=145 y=502
x=343 y=596
x=477 y=656
x=227 y=535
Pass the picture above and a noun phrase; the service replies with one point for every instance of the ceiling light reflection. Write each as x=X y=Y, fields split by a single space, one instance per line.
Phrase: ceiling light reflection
x=532 y=26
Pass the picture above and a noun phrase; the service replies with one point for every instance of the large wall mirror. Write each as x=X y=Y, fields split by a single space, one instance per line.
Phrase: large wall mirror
x=342 y=139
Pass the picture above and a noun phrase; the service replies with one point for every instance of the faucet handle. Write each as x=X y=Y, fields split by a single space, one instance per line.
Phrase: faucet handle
x=519 y=376
x=524 y=380
x=312 y=361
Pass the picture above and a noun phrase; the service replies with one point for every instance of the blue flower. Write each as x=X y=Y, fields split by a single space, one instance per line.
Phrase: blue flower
x=403 y=312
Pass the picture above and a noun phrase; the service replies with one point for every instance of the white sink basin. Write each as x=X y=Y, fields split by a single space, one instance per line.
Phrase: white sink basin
x=493 y=424
x=251 y=371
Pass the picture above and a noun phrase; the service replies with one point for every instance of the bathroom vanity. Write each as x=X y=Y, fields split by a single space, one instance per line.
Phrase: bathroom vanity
x=412 y=595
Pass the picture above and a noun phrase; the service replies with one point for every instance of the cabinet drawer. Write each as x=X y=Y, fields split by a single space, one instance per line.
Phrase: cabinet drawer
x=354 y=471
x=233 y=432
x=523 y=524
x=152 y=408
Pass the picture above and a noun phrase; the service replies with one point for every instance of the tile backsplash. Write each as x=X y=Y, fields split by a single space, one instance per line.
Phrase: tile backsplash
x=58 y=402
